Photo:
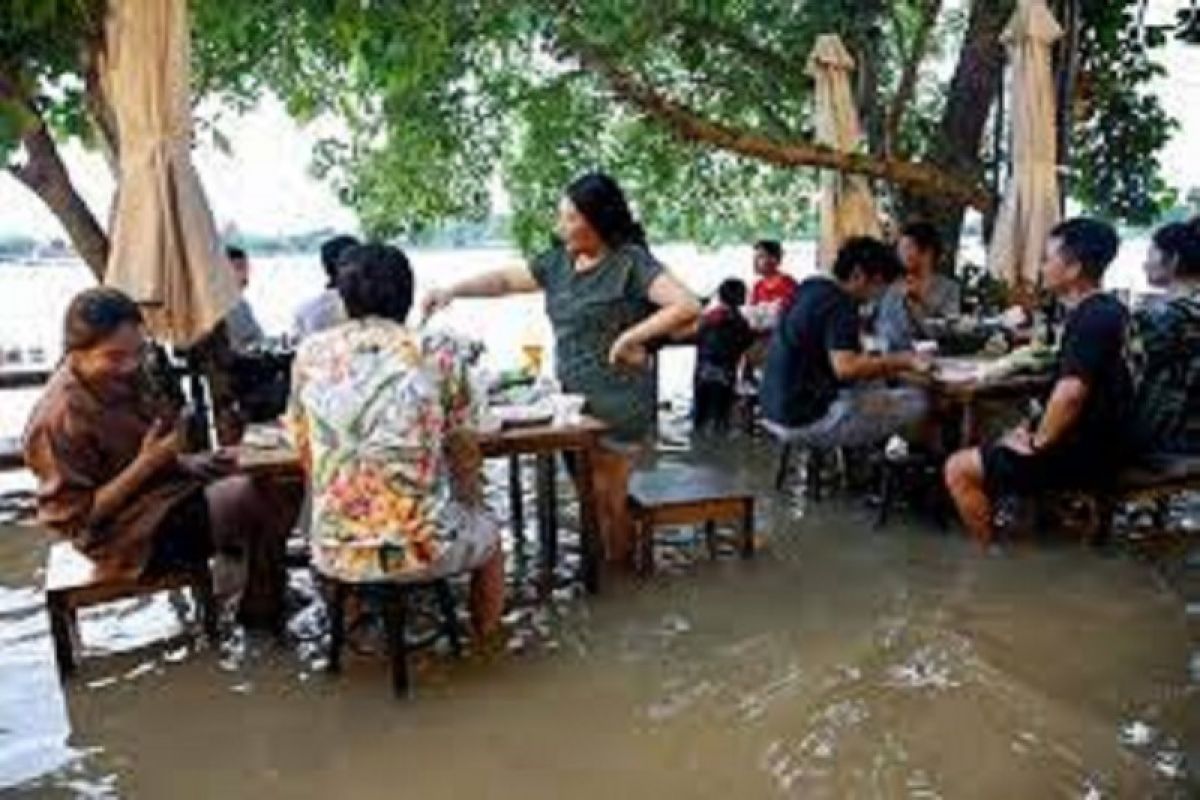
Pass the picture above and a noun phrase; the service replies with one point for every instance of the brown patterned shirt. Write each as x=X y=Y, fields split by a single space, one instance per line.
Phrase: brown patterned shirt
x=78 y=439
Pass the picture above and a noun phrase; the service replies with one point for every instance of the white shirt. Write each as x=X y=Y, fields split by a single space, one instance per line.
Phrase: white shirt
x=321 y=313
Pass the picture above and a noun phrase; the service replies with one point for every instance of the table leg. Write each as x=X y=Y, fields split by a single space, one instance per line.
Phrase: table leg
x=592 y=551
x=969 y=435
x=547 y=492
x=516 y=499
x=748 y=529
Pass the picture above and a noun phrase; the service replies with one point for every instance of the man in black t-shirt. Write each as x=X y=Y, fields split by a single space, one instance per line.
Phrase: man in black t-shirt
x=819 y=387
x=1079 y=441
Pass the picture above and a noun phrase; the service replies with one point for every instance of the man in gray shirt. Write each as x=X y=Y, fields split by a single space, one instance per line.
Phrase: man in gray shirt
x=243 y=329
x=922 y=293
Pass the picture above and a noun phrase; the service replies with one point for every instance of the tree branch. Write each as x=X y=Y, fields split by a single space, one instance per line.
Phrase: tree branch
x=908 y=77
x=690 y=126
x=44 y=173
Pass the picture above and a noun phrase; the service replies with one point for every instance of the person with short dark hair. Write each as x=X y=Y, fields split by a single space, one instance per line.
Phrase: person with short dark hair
x=325 y=310
x=110 y=463
x=774 y=287
x=922 y=294
x=241 y=325
x=1166 y=415
x=819 y=385
x=722 y=339
x=382 y=418
x=1079 y=441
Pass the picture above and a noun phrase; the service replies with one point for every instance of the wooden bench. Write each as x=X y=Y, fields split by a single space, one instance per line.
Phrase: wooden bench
x=74 y=581
x=685 y=495
x=1152 y=479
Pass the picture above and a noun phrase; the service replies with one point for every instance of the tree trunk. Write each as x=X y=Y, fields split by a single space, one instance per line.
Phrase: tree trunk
x=907 y=85
x=44 y=174
x=864 y=47
x=972 y=91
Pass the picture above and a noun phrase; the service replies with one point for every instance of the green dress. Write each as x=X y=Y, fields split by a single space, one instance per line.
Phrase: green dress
x=588 y=311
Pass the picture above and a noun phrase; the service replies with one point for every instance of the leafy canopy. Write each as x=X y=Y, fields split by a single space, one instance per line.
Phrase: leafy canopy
x=439 y=101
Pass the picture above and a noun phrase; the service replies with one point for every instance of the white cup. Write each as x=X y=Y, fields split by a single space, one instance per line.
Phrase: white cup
x=568 y=408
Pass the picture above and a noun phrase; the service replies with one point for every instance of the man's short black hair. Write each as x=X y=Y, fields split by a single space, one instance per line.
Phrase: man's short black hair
x=234 y=253
x=332 y=251
x=1180 y=241
x=1092 y=243
x=771 y=247
x=732 y=292
x=875 y=259
x=925 y=236
x=375 y=280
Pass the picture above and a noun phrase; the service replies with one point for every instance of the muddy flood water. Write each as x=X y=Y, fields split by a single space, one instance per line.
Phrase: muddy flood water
x=841 y=662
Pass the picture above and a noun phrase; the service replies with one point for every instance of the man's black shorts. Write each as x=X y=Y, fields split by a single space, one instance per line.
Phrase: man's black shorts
x=1008 y=472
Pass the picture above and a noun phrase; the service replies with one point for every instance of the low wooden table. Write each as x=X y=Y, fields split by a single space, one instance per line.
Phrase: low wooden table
x=543 y=441
x=546 y=442
x=958 y=382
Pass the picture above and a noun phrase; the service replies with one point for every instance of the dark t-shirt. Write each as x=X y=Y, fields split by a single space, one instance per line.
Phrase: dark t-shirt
x=799 y=383
x=588 y=311
x=724 y=338
x=1095 y=348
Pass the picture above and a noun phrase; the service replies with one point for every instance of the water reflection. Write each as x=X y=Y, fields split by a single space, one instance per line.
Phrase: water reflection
x=843 y=661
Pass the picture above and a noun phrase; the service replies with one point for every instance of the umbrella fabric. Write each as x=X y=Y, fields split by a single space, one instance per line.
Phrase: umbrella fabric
x=1031 y=200
x=847 y=206
x=165 y=251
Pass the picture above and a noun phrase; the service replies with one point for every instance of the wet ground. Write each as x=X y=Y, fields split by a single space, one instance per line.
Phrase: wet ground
x=841 y=662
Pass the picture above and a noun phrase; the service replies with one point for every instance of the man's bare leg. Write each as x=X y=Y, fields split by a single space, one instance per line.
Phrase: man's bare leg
x=486 y=600
x=965 y=481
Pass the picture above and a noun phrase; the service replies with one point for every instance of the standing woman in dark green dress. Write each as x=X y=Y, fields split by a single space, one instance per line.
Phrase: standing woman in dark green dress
x=607 y=298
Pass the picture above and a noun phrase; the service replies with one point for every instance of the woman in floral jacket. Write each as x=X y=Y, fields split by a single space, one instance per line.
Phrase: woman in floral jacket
x=381 y=416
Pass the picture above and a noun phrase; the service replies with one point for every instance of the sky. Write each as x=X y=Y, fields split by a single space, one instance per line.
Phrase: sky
x=263 y=185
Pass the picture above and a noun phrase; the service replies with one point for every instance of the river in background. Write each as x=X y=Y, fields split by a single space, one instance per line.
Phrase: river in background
x=34 y=298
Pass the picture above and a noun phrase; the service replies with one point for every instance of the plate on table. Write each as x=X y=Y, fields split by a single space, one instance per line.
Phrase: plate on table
x=266 y=437
x=523 y=416
x=958 y=370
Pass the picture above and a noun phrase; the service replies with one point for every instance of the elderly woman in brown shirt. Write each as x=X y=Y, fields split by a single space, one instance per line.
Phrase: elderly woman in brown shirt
x=112 y=475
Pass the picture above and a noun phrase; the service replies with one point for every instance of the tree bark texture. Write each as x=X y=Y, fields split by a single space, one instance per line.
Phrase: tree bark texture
x=972 y=92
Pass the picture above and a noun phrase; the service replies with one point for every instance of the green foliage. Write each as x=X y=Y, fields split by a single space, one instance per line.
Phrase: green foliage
x=40 y=44
x=1120 y=127
x=439 y=102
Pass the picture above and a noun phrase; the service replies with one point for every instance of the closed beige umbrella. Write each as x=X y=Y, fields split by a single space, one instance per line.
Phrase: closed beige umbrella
x=847 y=206
x=165 y=251
x=1031 y=202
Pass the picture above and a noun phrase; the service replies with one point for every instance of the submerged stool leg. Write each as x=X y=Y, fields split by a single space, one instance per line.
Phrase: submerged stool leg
x=202 y=585
x=445 y=600
x=395 y=605
x=748 y=528
x=62 y=631
x=785 y=465
x=337 y=623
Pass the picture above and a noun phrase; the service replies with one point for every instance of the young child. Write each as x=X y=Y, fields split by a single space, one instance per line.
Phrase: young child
x=723 y=338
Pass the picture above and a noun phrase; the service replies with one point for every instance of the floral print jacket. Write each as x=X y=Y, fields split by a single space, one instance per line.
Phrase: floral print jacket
x=371 y=405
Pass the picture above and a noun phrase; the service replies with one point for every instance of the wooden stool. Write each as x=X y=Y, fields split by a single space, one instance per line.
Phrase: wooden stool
x=394 y=599
x=683 y=495
x=74 y=581
x=909 y=475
